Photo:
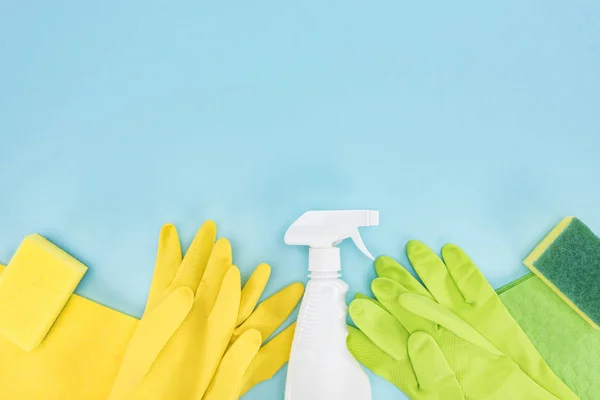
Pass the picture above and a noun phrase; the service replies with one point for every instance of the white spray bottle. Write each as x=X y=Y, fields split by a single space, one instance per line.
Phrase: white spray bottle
x=321 y=367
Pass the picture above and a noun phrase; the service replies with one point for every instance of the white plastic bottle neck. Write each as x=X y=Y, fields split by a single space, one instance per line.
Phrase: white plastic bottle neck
x=324 y=260
x=324 y=275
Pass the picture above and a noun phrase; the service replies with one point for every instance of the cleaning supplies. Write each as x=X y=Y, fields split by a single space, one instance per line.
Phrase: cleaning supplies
x=321 y=368
x=568 y=343
x=185 y=295
x=264 y=317
x=34 y=289
x=458 y=285
x=568 y=261
x=183 y=346
x=81 y=354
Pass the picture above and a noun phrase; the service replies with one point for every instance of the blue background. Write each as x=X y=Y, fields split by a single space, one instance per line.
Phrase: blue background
x=464 y=121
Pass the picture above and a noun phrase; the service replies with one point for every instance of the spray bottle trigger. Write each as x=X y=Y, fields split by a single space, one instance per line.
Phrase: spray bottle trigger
x=360 y=244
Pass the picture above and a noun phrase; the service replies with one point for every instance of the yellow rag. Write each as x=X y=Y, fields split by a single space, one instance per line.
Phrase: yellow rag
x=78 y=359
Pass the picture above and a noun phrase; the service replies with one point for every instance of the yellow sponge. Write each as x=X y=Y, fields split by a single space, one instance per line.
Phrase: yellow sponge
x=35 y=287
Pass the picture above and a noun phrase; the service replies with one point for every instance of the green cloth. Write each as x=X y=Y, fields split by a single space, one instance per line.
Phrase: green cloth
x=568 y=344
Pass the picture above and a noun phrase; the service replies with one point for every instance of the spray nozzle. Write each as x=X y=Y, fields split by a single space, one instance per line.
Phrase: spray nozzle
x=361 y=245
x=324 y=230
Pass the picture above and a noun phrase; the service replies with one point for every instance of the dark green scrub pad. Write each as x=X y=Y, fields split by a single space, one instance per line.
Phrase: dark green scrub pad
x=568 y=261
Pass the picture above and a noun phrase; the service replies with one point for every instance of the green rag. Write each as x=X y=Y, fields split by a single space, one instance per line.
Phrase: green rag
x=568 y=344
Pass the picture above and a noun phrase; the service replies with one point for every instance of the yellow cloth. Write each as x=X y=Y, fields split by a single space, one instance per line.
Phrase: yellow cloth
x=81 y=355
x=78 y=359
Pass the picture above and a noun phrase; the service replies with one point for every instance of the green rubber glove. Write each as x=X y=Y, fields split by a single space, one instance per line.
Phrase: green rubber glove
x=429 y=353
x=457 y=284
x=414 y=363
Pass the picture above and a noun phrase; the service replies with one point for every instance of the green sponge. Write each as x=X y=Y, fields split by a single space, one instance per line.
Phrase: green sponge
x=568 y=261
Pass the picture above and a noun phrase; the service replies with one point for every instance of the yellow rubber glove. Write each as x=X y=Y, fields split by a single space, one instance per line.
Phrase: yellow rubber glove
x=80 y=357
x=185 y=332
x=188 y=323
x=266 y=318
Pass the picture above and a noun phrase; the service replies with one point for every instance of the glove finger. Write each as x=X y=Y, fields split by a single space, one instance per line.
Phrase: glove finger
x=194 y=262
x=433 y=272
x=359 y=295
x=218 y=327
x=252 y=291
x=228 y=380
x=270 y=358
x=218 y=265
x=470 y=281
x=150 y=337
x=227 y=302
x=380 y=327
x=437 y=314
x=387 y=267
x=388 y=294
x=272 y=312
x=399 y=373
x=431 y=367
x=168 y=259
